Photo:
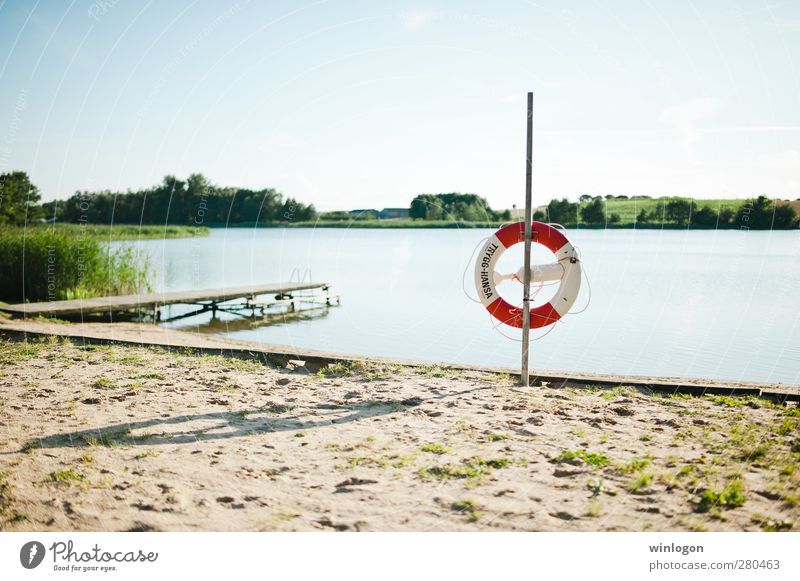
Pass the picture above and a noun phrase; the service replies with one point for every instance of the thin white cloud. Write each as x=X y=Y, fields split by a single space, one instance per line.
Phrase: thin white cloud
x=683 y=117
x=792 y=25
x=552 y=84
x=788 y=159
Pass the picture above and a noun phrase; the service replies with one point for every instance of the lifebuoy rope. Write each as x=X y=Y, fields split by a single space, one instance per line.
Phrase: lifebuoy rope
x=566 y=270
x=542 y=284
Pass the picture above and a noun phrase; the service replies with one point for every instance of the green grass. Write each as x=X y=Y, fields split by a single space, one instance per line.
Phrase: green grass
x=788 y=426
x=146 y=454
x=435 y=449
x=51 y=320
x=635 y=465
x=641 y=482
x=730 y=496
x=727 y=401
x=469 y=508
x=738 y=401
x=618 y=392
x=113 y=438
x=275 y=408
x=471 y=468
x=379 y=461
x=69 y=476
x=497 y=437
x=14 y=352
x=338 y=369
x=771 y=525
x=103 y=383
x=629 y=209
x=433 y=371
x=453 y=471
x=591 y=458
x=497 y=463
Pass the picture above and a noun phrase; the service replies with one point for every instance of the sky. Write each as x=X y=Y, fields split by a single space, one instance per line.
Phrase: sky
x=349 y=104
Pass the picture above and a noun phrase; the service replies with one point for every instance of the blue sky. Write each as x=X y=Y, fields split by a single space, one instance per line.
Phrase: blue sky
x=353 y=104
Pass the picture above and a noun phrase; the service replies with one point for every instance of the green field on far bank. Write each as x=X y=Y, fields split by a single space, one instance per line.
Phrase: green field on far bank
x=629 y=209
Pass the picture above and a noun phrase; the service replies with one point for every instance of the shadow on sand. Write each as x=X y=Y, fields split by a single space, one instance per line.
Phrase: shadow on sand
x=189 y=428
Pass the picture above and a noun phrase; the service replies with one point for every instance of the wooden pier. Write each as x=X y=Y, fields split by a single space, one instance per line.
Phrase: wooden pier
x=150 y=304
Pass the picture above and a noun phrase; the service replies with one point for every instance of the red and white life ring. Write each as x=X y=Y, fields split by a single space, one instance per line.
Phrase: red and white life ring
x=567 y=269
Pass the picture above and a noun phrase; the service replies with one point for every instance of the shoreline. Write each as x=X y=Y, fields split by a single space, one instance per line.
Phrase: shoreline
x=126 y=437
x=151 y=230
x=149 y=335
x=422 y=225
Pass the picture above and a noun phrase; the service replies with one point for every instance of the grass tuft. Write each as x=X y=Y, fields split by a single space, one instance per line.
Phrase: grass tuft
x=435 y=449
x=591 y=458
x=68 y=476
x=731 y=496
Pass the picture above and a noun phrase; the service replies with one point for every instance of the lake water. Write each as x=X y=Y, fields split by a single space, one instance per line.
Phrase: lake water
x=715 y=304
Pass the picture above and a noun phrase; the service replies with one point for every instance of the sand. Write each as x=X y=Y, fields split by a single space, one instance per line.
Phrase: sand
x=132 y=438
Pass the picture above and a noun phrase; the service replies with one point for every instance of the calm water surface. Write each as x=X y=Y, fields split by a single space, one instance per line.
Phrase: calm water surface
x=720 y=304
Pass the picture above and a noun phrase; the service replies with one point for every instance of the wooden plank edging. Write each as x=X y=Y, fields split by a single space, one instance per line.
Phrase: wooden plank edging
x=281 y=355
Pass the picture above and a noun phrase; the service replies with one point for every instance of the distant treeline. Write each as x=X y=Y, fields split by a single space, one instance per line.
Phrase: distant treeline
x=195 y=202
x=454 y=206
x=755 y=214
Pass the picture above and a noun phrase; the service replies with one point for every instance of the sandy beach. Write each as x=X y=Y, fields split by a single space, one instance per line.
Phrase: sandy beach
x=121 y=438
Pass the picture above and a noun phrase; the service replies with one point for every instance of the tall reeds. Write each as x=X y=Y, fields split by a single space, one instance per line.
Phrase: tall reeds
x=43 y=263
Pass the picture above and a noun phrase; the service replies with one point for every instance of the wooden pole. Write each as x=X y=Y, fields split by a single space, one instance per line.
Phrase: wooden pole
x=526 y=279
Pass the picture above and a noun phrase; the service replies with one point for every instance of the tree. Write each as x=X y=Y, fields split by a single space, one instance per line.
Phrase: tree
x=419 y=207
x=705 y=216
x=756 y=214
x=453 y=206
x=562 y=211
x=584 y=198
x=642 y=217
x=785 y=217
x=193 y=202
x=657 y=215
x=726 y=215
x=594 y=212
x=679 y=210
x=761 y=214
x=614 y=218
x=18 y=199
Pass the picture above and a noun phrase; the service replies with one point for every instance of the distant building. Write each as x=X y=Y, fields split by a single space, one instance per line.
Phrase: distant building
x=393 y=213
x=364 y=212
x=384 y=214
x=519 y=213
